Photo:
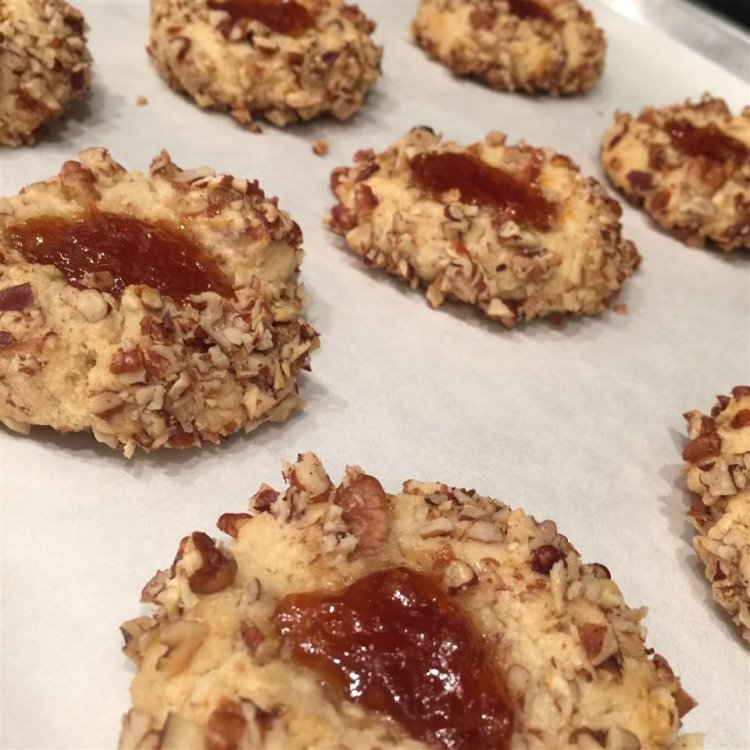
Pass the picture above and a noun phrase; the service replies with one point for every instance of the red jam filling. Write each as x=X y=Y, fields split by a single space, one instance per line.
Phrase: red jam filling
x=109 y=252
x=709 y=142
x=395 y=641
x=482 y=185
x=528 y=9
x=282 y=16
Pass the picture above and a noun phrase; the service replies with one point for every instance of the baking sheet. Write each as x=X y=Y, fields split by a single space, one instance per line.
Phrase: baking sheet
x=580 y=423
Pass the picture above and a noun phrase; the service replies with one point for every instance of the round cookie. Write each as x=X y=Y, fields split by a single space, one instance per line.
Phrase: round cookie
x=515 y=230
x=243 y=640
x=550 y=46
x=718 y=471
x=44 y=65
x=285 y=60
x=688 y=166
x=154 y=310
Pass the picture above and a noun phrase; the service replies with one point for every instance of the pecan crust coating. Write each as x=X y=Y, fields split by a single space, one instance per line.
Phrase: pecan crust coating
x=246 y=68
x=481 y=254
x=699 y=199
x=717 y=467
x=214 y=671
x=557 y=49
x=44 y=66
x=145 y=369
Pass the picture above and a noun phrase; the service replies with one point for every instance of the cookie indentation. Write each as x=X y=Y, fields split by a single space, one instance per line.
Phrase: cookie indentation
x=110 y=252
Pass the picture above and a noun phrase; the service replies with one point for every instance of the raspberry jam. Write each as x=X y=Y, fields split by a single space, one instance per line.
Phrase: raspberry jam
x=396 y=642
x=708 y=141
x=110 y=251
x=528 y=9
x=282 y=16
x=483 y=185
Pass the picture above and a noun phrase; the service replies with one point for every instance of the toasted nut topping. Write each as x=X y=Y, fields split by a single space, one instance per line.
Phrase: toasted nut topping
x=264 y=498
x=436 y=527
x=17 y=297
x=92 y=305
x=226 y=725
x=309 y=476
x=132 y=633
x=484 y=531
x=544 y=558
x=230 y=523
x=216 y=571
x=365 y=511
x=126 y=362
x=702 y=447
x=251 y=635
x=105 y=404
x=459 y=575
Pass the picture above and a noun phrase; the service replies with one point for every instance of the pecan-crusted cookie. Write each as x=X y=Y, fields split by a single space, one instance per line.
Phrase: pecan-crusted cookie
x=154 y=310
x=296 y=636
x=718 y=470
x=285 y=60
x=516 y=230
x=44 y=65
x=688 y=166
x=548 y=46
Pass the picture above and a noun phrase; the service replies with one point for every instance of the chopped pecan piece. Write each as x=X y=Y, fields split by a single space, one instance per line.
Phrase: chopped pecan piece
x=230 y=523
x=226 y=725
x=252 y=636
x=365 y=511
x=126 y=362
x=216 y=571
x=544 y=558
x=702 y=447
x=16 y=298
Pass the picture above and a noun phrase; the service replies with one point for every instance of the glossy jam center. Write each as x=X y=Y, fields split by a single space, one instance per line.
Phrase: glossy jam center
x=396 y=642
x=282 y=16
x=708 y=141
x=109 y=252
x=528 y=9
x=483 y=185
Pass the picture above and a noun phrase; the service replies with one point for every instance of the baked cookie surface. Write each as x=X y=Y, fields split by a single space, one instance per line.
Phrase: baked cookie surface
x=284 y=60
x=718 y=471
x=154 y=310
x=248 y=645
x=516 y=230
x=550 y=46
x=688 y=166
x=44 y=65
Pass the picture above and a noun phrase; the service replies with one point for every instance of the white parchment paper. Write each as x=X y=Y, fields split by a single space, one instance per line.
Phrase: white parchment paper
x=581 y=424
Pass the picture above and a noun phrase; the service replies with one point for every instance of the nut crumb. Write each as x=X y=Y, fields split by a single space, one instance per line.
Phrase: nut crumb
x=320 y=147
x=621 y=309
x=141 y=101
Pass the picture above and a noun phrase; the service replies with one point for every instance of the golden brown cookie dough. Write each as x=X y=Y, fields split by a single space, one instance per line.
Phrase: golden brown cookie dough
x=44 y=65
x=155 y=310
x=718 y=471
x=221 y=660
x=516 y=230
x=286 y=61
x=688 y=166
x=550 y=46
